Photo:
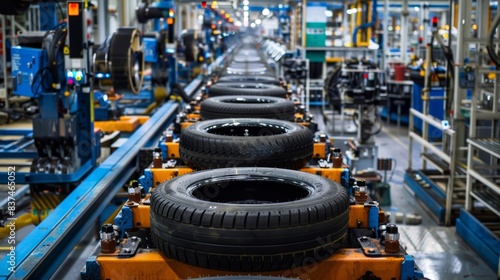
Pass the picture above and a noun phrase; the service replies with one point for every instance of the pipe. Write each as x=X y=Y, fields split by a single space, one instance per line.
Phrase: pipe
x=366 y=25
x=385 y=40
x=404 y=33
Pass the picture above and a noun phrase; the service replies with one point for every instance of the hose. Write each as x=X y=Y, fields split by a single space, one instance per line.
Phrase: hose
x=491 y=34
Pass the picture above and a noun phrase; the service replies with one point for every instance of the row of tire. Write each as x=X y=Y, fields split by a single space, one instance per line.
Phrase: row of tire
x=246 y=209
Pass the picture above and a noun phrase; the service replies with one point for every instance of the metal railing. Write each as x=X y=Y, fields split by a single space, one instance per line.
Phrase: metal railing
x=446 y=153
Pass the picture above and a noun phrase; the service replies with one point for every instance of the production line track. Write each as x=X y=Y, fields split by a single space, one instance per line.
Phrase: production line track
x=164 y=233
x=47 y=246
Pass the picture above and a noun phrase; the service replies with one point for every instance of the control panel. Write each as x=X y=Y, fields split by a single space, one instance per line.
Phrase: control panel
x=27 y=71
x=76 y=77
x=467 y=77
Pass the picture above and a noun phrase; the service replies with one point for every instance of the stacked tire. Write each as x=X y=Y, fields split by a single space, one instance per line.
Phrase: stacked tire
x=246 y=209
x=249 y=219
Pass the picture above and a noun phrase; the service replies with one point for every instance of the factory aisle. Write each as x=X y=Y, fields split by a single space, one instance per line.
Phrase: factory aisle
x=438 y=250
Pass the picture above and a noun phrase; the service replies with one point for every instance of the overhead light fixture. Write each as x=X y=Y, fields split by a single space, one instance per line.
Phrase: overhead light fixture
x=258 y=21
x=245 y=2
x=352 y=11
x=328 y=13
x=252 y=25
x=265 y=12
x=245 y=8
x=280 y=6
x=245 y=14
x=417 y=9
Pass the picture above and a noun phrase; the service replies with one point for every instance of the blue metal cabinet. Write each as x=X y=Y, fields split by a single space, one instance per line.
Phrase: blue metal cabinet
x=436 y=108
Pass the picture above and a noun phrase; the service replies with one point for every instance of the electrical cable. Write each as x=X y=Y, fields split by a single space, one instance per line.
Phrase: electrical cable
x=72 y=100
x=491 y=34
x=60 y=9
x=42 y=82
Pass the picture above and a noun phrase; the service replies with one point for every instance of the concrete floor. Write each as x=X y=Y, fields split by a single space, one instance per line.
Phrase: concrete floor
x=438 y=250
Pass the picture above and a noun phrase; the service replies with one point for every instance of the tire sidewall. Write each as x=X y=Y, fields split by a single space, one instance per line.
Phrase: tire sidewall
x=199 y=129
x=178 y=190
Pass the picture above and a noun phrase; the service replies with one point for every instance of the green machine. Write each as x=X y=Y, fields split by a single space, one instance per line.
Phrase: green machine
x=315 y=30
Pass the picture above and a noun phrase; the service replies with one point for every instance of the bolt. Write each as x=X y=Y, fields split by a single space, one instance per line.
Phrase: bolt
x=392 y=228
x=134 y=239
x=322 y=138
x=364 y=238
x=126 y=250
x=371 y=251
x=107 y=228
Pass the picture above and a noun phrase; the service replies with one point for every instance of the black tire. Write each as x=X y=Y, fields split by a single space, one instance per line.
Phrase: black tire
x=254 y=70
x=247 y=106
x=236 y=72
x=244 y=58
x=245 y=142
x=249 y=219
x=245 y=277
x=246 y=89
x=250 y=66
x=249 y=79
x=190 y=48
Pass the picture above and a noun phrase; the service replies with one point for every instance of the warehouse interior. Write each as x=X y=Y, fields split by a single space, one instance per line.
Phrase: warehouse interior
x=249 y=139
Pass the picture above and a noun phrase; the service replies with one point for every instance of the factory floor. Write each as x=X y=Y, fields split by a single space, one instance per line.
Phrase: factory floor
x=438 y=251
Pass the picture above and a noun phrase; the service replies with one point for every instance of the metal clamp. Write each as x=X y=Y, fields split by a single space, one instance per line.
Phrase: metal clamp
x=370 y=249
x=130 y=247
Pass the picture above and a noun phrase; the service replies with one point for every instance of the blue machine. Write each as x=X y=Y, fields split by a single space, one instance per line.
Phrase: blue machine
x=150 y=49
x=160 y=50
x=48 y=16
x=26 y=63
x=63 y=134
x=436 y=108
x=155 y=50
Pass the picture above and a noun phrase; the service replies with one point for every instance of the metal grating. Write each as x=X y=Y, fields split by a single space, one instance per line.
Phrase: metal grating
x=487 y=144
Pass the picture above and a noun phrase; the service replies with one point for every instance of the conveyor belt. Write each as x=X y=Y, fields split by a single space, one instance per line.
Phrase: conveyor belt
x=47 y=246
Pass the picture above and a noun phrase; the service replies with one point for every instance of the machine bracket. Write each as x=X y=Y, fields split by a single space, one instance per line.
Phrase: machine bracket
x=130 y=247
x=370 y=249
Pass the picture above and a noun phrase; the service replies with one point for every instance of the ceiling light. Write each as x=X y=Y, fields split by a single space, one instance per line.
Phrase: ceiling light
x=265 y=12
x=352 y=11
